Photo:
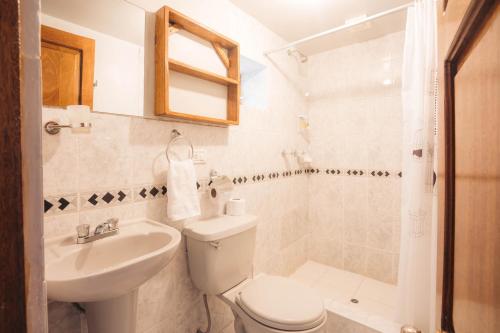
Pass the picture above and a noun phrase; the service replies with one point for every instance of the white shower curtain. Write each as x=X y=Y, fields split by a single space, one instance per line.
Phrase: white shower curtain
x=419 y=91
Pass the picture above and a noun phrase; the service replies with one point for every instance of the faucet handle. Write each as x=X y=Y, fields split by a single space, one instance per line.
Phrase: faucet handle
x=113 y=223
x=83 y=230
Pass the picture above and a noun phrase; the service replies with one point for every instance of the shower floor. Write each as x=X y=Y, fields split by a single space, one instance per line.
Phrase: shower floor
x=376 y=301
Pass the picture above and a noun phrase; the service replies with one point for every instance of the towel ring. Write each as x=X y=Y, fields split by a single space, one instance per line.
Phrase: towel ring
x=176 y=136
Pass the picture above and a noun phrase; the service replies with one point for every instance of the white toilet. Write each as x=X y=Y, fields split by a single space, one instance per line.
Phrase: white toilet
x=220 y=253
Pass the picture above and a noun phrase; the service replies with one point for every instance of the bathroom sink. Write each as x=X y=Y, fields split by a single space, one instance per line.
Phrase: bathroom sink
x=108 y=267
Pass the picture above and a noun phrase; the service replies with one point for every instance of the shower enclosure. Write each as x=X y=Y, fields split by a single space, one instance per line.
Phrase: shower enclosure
x=351 y=77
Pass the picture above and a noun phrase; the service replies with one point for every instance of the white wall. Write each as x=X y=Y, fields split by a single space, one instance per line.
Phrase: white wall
x=128 y=153
x=31 y=102
x=118 y=69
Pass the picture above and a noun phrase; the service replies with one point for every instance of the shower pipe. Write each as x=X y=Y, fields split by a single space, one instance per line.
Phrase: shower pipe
x=342 y=27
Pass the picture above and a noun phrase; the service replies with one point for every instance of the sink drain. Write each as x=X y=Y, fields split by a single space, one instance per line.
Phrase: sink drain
x=354 y=300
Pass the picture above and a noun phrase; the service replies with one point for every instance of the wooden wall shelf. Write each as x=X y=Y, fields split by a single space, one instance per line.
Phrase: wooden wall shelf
x=168 y=22
x=181 y=67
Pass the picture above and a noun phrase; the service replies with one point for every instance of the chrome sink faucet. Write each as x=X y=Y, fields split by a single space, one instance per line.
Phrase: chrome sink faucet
x=105 y=229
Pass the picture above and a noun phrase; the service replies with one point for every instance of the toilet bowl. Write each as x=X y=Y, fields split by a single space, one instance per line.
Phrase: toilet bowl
x=220 y=255
x=275 y=304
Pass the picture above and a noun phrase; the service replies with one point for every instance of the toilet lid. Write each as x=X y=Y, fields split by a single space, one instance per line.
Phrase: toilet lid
x=281 y=303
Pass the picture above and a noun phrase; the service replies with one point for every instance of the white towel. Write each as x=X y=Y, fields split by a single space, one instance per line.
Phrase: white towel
x=183 y=201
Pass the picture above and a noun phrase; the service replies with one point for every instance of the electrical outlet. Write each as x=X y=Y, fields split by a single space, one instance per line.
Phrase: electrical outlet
x=199 y=156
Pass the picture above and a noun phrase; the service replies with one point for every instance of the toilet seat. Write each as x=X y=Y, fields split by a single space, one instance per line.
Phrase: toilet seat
x=281 y=303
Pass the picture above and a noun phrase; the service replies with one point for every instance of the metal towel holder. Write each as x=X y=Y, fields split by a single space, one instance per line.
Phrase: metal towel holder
x=176 y=136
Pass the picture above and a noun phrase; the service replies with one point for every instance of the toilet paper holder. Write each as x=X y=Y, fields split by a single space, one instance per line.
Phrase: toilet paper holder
x=219 y=183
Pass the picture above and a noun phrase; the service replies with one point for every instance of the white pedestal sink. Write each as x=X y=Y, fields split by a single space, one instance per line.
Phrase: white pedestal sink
x=105 y=274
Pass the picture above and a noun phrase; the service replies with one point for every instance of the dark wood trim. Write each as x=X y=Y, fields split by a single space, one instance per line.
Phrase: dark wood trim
x=474 y=20
x=12 y=270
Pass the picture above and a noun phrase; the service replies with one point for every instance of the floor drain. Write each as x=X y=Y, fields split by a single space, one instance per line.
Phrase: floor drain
x=353 y=300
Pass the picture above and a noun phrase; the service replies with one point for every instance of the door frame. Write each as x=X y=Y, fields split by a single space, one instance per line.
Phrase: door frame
x=13 y=297
x=474 y=19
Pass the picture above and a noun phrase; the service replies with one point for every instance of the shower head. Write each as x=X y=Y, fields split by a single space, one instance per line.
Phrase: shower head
x=293 y=52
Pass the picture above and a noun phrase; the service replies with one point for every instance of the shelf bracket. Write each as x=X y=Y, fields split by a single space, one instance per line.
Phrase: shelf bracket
x=173 y=28
x=222 y=55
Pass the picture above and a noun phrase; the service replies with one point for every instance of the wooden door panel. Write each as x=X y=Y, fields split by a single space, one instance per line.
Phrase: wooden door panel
x=471 y=159
x=60 y=75
x=67 y=68
x=476 y=294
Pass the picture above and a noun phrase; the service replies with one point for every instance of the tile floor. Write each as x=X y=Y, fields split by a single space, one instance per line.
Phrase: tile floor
x=376 y=304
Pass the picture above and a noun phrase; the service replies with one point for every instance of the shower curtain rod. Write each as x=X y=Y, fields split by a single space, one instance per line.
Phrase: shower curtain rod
x=342 y=27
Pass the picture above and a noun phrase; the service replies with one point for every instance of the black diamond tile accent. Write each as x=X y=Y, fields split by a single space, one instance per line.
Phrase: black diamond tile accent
x=380 y=173
x=47 y=205
x=258 y=177
x=143 y=193
x=240 y=180
x=163 y=190
x=400 y=174
x=361 y=172
x=349 y=172
x=234 y=180
x=355 y=172
x=245 y=179
x=108 y=197
x=254 y=178
x=121 y=196
x=373 y=173
x=387 y=174
x=93 y=200
x=63 y=203
x=154 y=191
x=198 y=185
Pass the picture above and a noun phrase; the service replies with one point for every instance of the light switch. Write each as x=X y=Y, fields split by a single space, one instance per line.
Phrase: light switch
x=199 y=156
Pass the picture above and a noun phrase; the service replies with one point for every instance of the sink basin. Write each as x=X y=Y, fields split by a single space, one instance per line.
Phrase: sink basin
x=110 y=267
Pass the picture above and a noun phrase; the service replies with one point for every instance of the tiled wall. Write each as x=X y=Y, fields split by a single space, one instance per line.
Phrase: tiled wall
x=343 y=212
x=355 y=115
x=91 y=177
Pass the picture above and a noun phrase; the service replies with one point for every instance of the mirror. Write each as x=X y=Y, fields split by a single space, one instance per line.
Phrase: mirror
x=114 y=75
x=102 y=54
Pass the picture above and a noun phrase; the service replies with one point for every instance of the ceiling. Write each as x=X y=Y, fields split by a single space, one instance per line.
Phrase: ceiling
x=295 y=19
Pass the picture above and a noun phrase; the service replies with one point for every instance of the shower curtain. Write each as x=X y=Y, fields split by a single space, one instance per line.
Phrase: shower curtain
x=419 y=97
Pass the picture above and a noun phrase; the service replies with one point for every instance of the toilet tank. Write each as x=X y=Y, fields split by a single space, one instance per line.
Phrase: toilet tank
x=220 y=251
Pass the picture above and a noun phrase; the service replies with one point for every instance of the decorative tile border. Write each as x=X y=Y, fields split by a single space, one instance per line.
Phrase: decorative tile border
x=100 y=199
x=66 y=203
x=74 y=202
x=150 y=192
x=357 y=172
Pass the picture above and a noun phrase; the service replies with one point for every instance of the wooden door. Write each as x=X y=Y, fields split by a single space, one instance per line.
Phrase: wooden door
x=67 y=68
x=471 y=249
x=60 y=75
x=13 y=293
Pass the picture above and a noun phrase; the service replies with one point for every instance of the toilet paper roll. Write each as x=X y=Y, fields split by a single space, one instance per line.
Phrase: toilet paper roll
x=235 y=207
